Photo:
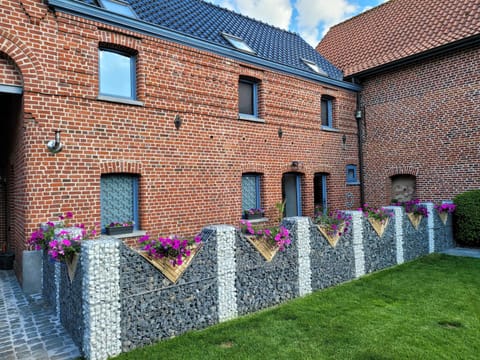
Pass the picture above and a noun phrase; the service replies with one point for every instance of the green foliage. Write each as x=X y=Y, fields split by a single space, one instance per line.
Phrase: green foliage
x=424 y=309
x=467 y=218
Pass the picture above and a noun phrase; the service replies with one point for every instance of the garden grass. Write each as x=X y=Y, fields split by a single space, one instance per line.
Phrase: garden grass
x=425 y=309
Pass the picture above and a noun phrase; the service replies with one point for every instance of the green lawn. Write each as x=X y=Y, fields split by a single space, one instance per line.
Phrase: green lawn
x=426 y=309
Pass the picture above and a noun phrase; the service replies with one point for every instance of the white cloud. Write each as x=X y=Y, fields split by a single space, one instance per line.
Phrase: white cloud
x=315 y=14
x=274 y=12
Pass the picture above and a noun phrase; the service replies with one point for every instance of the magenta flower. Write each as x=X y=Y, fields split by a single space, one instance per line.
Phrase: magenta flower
x=174 y=249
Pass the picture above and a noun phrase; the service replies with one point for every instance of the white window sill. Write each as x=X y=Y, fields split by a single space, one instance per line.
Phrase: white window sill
x=329 y=129
x=251 y=118
x=256 y=221
x=135 y=233
x=119 y=100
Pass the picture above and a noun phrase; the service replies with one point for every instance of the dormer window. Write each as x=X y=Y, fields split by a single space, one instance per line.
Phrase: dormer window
x=238 y=43
x=119 y=7
x=312 y=65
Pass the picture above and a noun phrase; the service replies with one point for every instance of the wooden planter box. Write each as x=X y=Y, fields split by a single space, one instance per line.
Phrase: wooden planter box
x=119 y=230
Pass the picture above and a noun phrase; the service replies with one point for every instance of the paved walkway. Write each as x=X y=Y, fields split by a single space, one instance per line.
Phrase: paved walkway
x=28 y=329
x=458 y=251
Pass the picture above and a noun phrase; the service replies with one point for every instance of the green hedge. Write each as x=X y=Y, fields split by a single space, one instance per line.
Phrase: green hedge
x=467 y=218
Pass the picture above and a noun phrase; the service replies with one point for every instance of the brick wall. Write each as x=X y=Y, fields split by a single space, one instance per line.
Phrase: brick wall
x=9 y=72
x=189 y=177
x=422 y=120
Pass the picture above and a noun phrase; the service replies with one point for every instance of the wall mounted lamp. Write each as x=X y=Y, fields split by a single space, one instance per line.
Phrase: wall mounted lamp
x=358 y=114
x=55 y=146
x=295 y=164
x=177 y=121
x=280 y=132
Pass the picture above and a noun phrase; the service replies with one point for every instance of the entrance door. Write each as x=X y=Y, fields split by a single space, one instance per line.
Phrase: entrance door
x=292 y=194
x=10 y=105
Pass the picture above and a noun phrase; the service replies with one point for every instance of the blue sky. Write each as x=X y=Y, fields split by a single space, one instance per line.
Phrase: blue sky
x=310 y=18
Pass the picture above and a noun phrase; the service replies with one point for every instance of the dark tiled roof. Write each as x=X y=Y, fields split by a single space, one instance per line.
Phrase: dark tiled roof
x=398 y=29
x=206 y=21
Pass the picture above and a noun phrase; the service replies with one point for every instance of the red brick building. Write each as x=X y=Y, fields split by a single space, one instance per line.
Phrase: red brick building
x=419 y=65
x=175 y=114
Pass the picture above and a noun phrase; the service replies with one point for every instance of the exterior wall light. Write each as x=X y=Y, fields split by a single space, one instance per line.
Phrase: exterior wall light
x=55 y=146
x=177 y=121
x=280 y=132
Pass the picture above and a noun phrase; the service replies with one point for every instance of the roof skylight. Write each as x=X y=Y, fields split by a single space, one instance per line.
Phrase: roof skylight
x=312 y=65
x=238 y=43
x=119 y=7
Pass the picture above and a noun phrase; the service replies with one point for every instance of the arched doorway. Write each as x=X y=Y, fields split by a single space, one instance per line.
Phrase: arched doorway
x=11 y=149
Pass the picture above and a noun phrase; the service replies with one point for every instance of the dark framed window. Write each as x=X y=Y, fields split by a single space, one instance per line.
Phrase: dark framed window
x=251 y=196
x=238 y=43
x=248 y=98
x=327 y=111
x=314 y=66
x=119 y=7
x=117 y=74
x=119 y=199
x=352 y=177
x=320 y=193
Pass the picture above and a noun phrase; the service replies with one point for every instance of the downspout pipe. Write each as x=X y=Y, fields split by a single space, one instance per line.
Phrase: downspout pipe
x=359 y=116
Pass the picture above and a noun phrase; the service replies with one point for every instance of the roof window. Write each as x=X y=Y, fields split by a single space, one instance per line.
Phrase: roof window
x=312 y=65
x=238 y=43
x=119 y=7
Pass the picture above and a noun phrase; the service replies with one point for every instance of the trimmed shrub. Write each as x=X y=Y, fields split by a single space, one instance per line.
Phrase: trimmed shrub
x=467 y=218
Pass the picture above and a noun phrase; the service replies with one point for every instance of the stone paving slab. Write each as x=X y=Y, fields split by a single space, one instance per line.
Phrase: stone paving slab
x=30 y=330
x=467 y=252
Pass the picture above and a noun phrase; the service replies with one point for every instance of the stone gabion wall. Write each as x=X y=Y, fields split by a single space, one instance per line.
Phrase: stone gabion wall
x=126 y=303
x=260 y=284
x=380 y=252
x=153 y=308
x=443 y=233
x=415 y=242
x=50 y=285
x=331 y=265
x=70 y=303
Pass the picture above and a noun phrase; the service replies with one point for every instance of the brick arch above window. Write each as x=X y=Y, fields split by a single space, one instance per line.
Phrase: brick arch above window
x=126 y=167
x=24 y=58
x=253 y=168
x=322 y=169
x=118 y=47
x=403 y=170
x=125 y=40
